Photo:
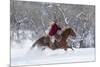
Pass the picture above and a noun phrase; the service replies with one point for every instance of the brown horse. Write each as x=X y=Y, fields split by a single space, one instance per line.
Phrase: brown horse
x=63 y=44
x=43 y=41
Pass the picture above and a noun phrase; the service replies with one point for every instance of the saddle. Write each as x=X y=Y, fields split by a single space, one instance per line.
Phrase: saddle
x=58 y=37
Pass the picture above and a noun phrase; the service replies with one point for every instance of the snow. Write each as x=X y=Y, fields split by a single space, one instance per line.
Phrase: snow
x=26 y=56
x=26 y=27
x=22 y=55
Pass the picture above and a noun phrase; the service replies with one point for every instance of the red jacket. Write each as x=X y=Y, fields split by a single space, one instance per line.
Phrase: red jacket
x=54 y=29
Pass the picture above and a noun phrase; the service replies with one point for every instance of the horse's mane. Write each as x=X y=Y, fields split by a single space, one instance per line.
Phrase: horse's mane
x=66 y=31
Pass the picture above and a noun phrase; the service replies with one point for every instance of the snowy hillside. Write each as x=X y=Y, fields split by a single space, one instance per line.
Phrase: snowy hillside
x=48 y=56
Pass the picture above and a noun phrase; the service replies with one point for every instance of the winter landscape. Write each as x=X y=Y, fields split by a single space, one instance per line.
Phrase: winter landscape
x=30 y=20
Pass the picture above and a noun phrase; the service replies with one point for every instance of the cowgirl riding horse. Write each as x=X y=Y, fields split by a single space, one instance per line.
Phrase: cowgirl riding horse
x=60 y=40
x=53 y=32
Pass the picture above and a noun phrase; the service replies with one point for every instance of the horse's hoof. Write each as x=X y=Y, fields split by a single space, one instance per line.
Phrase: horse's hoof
x=43 y=49
x=65 y=49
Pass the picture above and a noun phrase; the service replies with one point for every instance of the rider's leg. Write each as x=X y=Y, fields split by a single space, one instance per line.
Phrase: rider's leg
x=52 y=39
x=57 y=37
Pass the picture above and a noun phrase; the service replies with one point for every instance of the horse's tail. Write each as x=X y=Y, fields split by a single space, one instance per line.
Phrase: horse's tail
x=33 y=45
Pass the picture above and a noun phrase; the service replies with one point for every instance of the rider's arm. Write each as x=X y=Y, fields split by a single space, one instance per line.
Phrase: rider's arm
x=59 y=28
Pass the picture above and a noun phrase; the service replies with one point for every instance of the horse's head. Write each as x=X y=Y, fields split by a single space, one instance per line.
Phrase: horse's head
x=72 y=33
x=68 y=32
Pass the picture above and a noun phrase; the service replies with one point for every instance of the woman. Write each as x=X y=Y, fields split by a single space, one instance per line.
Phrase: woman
x=54 y=28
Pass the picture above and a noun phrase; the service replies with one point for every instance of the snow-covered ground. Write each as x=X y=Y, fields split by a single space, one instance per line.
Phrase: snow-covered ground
x=23 y=56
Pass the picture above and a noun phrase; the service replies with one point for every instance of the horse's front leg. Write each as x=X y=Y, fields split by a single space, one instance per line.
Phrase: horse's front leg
x=66 y=46
x=65 y=49
x=70 y=47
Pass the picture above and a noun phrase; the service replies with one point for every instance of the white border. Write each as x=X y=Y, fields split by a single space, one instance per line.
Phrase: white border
x=4 y=33
x=90 y=2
